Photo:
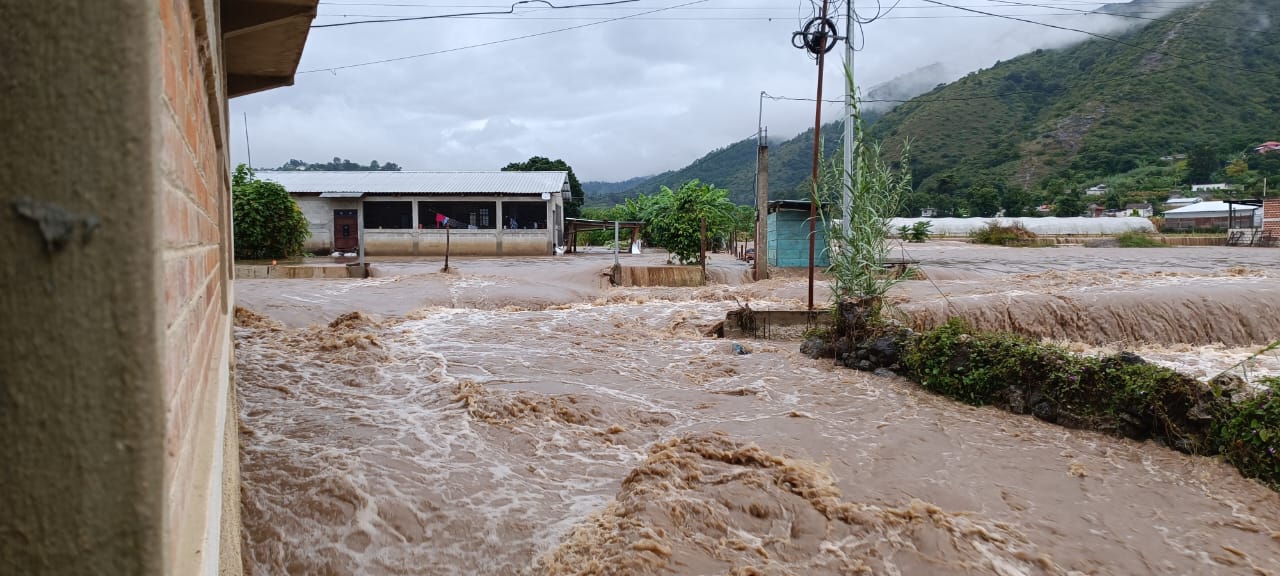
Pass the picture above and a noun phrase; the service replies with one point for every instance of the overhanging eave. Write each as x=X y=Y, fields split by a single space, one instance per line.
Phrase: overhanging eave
x=263 y=42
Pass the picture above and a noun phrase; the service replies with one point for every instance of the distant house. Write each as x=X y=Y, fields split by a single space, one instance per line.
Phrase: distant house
x=1098 y=190
x=1172 y=157
x=1212 y=215
x=1180 y=202
x=1209 y=187
x=1268 y=147
x=1096 y=211
x=407 y=213
x=928 y=212
x=1142 y=210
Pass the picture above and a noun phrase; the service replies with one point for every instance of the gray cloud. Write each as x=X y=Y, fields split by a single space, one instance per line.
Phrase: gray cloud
x=617 y=100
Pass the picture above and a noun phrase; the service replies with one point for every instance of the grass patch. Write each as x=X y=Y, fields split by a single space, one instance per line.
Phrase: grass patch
x=999 y=235
x=1137 y=239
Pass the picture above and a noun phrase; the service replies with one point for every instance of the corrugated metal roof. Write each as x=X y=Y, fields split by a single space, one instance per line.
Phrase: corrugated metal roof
x=1211 y=206
x=419 y=182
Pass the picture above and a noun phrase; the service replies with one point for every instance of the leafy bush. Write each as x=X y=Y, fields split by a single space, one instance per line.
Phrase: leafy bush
x=1137 y=239
x=673 y=218
x=919 y=232
x=1248 y=434
x=1001 y=235
x=268 y=222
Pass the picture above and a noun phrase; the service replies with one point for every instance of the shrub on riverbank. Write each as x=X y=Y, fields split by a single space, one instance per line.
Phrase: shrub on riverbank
x=1121 y=395
x=1248 y=434
x=1137 y=239
x=999 y=235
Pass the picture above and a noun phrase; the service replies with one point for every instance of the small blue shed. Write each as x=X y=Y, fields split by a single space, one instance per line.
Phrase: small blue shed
x=789 y=236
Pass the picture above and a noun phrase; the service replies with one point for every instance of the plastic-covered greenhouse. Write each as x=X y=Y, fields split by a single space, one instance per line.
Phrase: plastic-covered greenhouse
x=1048 y=226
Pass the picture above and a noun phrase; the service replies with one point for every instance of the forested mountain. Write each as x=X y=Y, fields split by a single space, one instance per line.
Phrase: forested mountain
x=1204 y=75
x=734 y=168
x=595 y=188
x=1202 y=80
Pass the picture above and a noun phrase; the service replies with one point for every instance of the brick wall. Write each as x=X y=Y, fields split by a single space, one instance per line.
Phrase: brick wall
x=193 y=183
x=1271 y=217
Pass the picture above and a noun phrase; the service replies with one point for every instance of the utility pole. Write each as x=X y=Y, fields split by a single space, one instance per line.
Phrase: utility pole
x=820 y=41
x=762 y=208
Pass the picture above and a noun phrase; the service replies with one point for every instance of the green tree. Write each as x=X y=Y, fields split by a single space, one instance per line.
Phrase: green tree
x=983 y=201
x=1202 y=162
x=674 y=218
x=1017 y=202
x=268 y=222
x=1068 y=204
x=572 y=206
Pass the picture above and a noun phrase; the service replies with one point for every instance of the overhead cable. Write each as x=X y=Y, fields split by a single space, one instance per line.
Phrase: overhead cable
x=510 y=10
x=500 y=41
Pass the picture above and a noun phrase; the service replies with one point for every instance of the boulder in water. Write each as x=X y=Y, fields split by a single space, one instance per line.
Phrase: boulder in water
x=816 y=348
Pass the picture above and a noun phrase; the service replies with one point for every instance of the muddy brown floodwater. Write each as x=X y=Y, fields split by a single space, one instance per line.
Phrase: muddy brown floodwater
x=524 y=418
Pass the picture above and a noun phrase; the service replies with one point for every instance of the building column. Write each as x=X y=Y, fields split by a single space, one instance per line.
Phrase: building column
x=413 y=205
x=82 y=387
x=502 y=223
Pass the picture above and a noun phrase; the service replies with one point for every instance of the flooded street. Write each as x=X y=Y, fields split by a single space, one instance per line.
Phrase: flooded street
x=524 y=418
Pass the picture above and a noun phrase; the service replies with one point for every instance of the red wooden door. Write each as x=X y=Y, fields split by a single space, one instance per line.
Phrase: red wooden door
x=346 y=230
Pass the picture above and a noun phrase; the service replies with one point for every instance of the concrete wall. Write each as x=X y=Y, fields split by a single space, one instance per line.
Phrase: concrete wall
x=81 y=403
x=319 y=214
x=789 y=240
x=114 y=402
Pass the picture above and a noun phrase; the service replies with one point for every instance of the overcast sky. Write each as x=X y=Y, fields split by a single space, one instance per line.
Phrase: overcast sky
x=616 y=99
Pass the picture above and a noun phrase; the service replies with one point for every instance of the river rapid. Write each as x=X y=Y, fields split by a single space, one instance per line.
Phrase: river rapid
x=526 y=419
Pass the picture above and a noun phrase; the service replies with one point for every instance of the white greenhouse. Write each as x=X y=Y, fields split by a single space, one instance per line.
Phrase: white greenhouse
x=1049 y=226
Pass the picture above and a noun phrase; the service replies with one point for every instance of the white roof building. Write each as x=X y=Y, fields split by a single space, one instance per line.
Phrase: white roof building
x=490 y=183
x=1210 y=209
x=430 y=213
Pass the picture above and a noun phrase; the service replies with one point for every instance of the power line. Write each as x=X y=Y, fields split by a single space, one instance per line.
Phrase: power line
x=501 y=41
x=1055 y=4
x=519 y=18
x=510 y=10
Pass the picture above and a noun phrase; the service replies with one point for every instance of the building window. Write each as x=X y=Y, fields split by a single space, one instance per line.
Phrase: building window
x=384 y=215
x=524 y=215
x=459 y=214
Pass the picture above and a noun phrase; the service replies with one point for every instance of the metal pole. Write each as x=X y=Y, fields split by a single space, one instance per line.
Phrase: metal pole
x=702 y=252
x=817 y=150
x=446 y=247
x=615 y=242
x=846 y=199
x=247 y=150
